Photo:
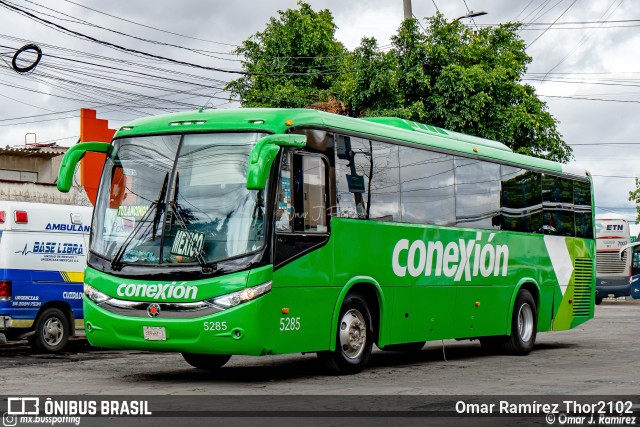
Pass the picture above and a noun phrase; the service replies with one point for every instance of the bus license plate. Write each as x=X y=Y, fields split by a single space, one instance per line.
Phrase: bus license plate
x=154 y=333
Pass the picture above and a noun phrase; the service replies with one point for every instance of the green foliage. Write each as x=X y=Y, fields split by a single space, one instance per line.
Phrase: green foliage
x=634 y=196
x=294 y=61
x=447 y=76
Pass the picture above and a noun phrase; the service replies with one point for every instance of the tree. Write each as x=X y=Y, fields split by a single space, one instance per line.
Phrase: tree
x=634 y=196
x=446 y=75
x=468 y=82
x=292 y=63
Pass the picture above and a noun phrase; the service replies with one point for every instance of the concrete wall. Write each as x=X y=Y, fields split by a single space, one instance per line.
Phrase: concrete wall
x=42 y=193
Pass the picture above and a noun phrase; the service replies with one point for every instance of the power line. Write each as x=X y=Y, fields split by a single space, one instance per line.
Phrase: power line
x=113 y=45
x=522 y=11
x=561 y=15
x=581 y=42
x=591 y=99
x=150 y=27
x=77 y=20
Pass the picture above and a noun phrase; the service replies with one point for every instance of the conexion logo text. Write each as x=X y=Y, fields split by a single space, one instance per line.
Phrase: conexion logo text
x=461 y=259
x=158 y=291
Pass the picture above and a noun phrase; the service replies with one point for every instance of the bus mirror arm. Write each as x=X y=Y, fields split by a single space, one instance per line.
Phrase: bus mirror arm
x=264 y=153
x=71 y=159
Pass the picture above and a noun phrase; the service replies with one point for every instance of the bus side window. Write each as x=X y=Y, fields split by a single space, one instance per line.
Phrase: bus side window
x=310 y=194
x=283 y=206
x=301 y=216
x=301 y=201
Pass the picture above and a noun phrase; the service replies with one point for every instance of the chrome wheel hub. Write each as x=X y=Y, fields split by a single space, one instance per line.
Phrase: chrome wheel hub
x=52 y=332
x=353 y=334
x=525 y=322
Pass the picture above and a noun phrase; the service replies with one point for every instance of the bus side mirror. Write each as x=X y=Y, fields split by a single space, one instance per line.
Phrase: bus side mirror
x=263 y=155
x=71 y=159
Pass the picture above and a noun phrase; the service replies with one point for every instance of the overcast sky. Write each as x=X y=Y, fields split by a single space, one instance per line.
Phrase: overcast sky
x=586 y=59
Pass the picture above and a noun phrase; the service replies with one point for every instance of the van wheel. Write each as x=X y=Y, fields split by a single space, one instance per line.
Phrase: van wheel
x=51 y=332
x=524 y=321
x=354 y=338
x=210 y=362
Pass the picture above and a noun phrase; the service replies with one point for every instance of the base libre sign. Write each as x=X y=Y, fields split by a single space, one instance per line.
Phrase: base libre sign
x=357 y=410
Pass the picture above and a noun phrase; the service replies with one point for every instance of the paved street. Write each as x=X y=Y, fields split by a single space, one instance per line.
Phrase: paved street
x=598 y=357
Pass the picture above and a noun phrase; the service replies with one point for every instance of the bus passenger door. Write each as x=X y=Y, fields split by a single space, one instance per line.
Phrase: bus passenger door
x=303 y=261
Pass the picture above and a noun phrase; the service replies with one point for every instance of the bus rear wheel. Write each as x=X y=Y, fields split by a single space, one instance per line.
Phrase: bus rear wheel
x=210 y=362
x=51 y=331
x=524 y=321
x=598 y=300
x=354 y=338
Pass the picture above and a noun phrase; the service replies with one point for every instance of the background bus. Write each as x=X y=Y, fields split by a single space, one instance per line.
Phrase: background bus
x=267 y=231
x=613 y=271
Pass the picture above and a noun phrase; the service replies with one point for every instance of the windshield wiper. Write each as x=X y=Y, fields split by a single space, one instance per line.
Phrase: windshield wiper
x=206 y=268
x=116 y=263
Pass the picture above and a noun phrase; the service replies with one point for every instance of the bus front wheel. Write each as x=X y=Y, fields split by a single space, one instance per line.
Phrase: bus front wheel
x=354 y=338
x=524 y=321
x=598 y=300
x=210 y=362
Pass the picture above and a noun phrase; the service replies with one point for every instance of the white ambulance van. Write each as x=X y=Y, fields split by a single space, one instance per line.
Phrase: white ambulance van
x=43 y=254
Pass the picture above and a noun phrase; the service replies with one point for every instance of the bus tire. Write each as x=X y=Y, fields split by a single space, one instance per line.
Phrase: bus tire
x=411 y=347
x=354 y=338
x=524 y=321
x=51 y=331
x=209 y=362
x=598 y=300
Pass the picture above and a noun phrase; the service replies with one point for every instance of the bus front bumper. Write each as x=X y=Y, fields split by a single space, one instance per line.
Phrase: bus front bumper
x=613 y=287
x=237 y=330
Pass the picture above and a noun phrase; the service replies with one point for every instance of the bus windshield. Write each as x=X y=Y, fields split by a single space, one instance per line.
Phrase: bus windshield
x=178 y=199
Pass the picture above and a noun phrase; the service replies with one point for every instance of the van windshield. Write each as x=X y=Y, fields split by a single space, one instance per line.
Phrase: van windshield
x=178 y=199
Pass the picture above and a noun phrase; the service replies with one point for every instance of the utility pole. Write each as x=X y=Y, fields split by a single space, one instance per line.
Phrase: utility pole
x=408 y=13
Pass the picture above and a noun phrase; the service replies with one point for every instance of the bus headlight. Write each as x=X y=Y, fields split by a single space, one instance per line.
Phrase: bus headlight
x=95 y=295
x=231 y=300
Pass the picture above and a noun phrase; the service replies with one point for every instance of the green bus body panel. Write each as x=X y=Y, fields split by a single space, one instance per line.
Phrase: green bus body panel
x=312 y=287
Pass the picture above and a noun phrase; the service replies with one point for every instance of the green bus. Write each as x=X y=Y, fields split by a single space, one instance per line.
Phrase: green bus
x=272 y=231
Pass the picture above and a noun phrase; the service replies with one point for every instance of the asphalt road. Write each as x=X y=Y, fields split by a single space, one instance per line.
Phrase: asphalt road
x=597 y=358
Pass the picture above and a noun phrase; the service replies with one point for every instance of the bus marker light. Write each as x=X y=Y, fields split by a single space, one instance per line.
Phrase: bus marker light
x=570 y=301
x=477 y=303
x=289 y=123
x=475 y=150
x=1 y=217
x=285 y=310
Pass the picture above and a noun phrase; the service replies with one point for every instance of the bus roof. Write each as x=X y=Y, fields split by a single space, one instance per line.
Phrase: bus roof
x=275 y=120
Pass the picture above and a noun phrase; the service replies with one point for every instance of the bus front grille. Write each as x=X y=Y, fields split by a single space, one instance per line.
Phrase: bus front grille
x=610 y=263
x=583 y=270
